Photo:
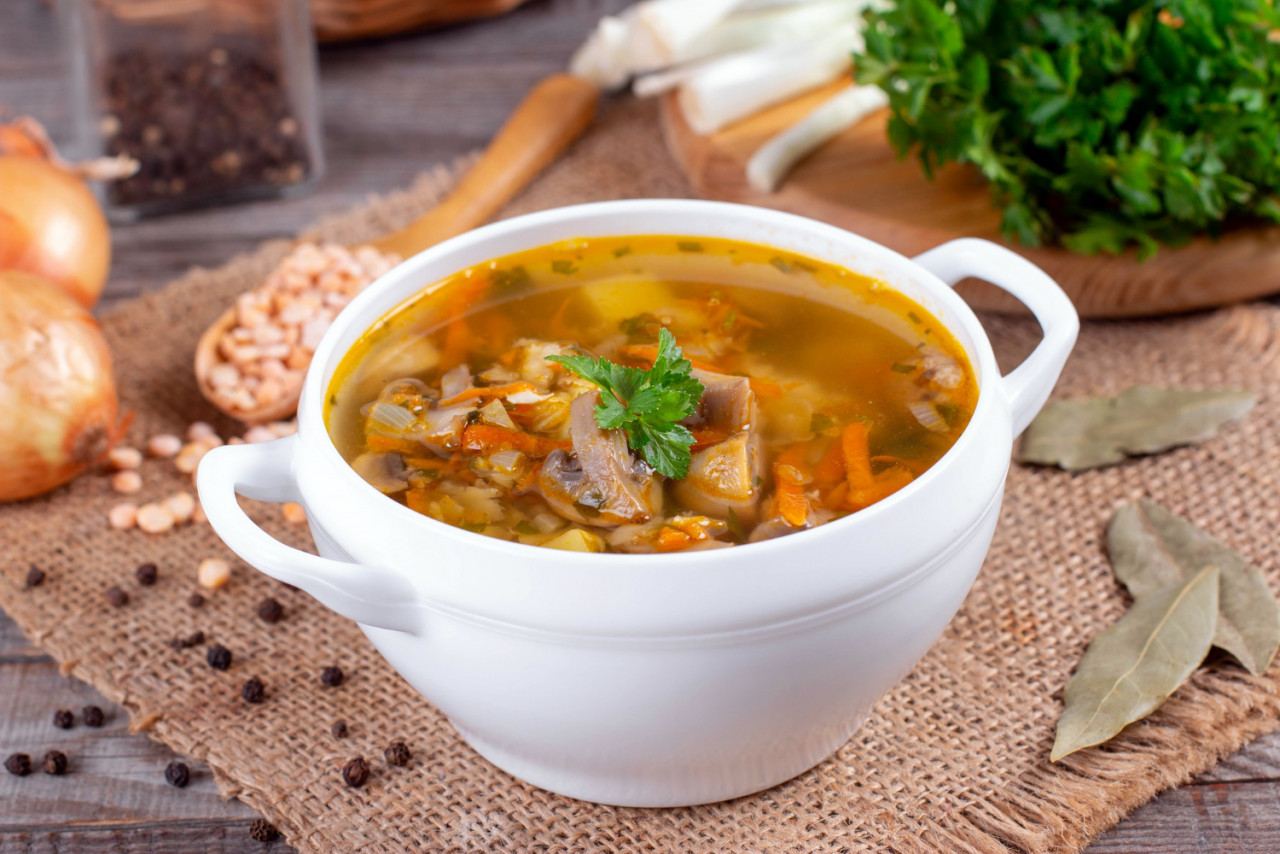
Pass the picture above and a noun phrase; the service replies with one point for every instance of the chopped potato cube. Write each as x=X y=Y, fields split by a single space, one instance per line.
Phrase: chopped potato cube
x=576 y=540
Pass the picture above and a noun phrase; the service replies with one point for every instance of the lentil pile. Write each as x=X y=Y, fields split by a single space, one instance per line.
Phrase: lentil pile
x=279 y=324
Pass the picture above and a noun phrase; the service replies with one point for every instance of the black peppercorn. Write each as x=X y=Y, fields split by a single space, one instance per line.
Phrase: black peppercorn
x=147 y=574
x=356 y=772
x=270 y=611
x=263 y=831
x=194 y=639
x=219 y=657
x=177 y=774
x=397 y=754
x=93 y=716
x=253 y=690
x=195 y=600
x=63 y=719
x=18 y=764
x=339 y=729
x=117 y=597
x=55 y=762
x=332 y=676
x=35 y=577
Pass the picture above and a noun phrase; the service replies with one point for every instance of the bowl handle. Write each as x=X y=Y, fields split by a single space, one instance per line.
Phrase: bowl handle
x=1027 y=386
x=370 y=595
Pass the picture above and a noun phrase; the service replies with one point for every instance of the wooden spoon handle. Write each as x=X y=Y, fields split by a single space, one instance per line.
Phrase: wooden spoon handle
x=553 y=114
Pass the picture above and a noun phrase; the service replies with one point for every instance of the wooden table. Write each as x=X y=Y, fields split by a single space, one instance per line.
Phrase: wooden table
x=391 y=108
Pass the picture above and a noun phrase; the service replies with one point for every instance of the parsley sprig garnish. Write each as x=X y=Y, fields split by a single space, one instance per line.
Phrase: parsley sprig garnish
x=647 y=404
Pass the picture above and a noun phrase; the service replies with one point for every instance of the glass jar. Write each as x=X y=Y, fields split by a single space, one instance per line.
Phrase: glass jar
x=215 y=99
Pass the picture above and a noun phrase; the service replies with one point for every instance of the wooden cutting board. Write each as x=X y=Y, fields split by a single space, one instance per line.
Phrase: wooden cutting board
x=857 y=183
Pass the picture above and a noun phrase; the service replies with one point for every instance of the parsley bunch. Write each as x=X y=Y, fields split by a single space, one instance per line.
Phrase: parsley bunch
x=647 y=404
x=1099 y=123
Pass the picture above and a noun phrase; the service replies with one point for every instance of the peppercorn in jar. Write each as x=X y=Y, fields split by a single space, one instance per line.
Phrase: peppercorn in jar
x=215 y=99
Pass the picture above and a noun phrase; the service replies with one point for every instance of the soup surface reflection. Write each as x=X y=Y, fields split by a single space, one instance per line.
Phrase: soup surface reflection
x=823 y=391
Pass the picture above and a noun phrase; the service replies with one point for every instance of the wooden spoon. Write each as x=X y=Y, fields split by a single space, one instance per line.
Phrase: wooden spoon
x=553 y=114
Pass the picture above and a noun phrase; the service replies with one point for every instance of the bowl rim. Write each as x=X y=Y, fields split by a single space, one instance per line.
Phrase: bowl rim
x=975 y=342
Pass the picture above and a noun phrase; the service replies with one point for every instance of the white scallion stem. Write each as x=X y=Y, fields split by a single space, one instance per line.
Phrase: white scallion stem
x=673 y=25
x=773 y=160
x=740 y=34
x=739 y=86
x=747 y=29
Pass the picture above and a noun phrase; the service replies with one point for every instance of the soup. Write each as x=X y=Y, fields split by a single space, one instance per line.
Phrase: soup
x=649 y=394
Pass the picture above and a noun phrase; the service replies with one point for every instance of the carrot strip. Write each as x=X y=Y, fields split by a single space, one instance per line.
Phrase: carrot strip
x=417 y=499
x=480 y=438
x=649 y=353
x=707 y=438
x=557 y=325
x=489 y=391
x=857 y=460
x=432 y=463
x=830 y=468
x=393 y=444
x=457 y=334
x=793 y=505
x=765 y=389
x=672 y=540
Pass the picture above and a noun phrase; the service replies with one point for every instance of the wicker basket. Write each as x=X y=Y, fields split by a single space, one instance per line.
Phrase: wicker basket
x=340 y=20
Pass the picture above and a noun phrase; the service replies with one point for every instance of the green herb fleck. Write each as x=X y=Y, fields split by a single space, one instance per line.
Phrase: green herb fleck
x=641 y=327
x=647 y=404
x=563 y=267
x=525 y=527
x=782 y=264
x=689 y=246
x=513 y=281
x=821 y=422
x=730 y=319
x=903 y=368
x=736 y=528
x=621 y=250
x=475 y=527
x=333 y=400
x=915 y=318
x=949 y=412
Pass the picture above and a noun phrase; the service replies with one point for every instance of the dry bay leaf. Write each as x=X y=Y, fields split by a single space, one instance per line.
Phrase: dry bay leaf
x=1130 y=668
x=1101 y=431
x=1152 y=548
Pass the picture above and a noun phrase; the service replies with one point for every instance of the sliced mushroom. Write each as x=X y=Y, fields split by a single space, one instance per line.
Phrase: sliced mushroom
x=727 y=402
x=600 y=483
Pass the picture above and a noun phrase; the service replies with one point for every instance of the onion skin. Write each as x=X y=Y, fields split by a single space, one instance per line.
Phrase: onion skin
x=58 y=405
x=51 y=226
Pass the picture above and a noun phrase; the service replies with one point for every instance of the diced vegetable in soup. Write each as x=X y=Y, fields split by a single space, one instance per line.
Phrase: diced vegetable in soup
x=649 y=394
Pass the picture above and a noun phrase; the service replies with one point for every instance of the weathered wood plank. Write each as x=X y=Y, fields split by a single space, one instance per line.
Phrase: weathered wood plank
x=1218 y=818
x=114 y=776
x=14 y=646
x=227 y=836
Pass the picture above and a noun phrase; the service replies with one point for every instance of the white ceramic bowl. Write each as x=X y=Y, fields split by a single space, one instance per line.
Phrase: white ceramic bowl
x=655 y=680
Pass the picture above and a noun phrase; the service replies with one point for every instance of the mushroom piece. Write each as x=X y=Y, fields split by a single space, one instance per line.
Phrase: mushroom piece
x=727 y=402
x=724 y=477
x=600 y=483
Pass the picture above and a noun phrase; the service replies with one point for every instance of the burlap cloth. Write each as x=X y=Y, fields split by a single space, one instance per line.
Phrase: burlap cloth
x=955 y=758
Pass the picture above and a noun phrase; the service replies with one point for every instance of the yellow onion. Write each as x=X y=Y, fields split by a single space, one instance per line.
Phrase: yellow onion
x=58 y=406
x=50 y=224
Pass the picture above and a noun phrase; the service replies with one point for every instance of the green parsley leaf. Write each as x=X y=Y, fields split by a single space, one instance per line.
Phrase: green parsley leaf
x=1101 y=126
x=647 y=405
